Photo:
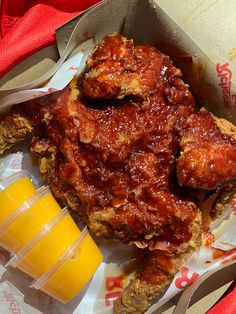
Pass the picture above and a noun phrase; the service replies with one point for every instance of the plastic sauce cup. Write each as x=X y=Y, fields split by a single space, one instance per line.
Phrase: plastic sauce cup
x=14 y=191
x=27 y=220
x=72 y=271
x=46 y=247
x=45 y=241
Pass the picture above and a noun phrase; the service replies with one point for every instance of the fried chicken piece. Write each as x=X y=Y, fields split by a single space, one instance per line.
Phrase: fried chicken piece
x=163 y=258
x=144 y=287
x=161 y=221
x=208 y=156
x=127 y=168
x=158 y=272
x=23 y=120
x=13 y=128
x=222 y=200
x=117 y=68
x=159 y=268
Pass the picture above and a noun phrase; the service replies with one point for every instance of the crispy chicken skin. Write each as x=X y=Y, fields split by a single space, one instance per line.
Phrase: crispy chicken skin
x=208 y=152
x=117 y=68
x=158 y=272
x=108 y=149
x=13 y=128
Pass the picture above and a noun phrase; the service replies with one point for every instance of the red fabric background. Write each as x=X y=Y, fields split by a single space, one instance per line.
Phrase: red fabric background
x=27 y=26
x=227 y=305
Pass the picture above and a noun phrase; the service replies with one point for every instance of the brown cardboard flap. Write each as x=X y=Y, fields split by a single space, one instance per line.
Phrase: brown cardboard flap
x=30 y=69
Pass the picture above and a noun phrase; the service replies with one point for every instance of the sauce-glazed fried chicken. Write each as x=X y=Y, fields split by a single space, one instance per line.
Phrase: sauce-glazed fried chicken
x=108 y=149
x=121 y=168
x=208 y=157
x=117 y=69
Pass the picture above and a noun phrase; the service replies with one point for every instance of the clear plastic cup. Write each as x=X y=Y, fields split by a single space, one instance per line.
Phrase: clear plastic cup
x=26 y=249
x=14 y=191
x=27 y=220
x=73 y=270
x=46 y=247
x=45 y=241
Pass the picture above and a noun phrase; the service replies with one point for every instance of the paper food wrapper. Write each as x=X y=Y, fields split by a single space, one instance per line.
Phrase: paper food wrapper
x=190 y=34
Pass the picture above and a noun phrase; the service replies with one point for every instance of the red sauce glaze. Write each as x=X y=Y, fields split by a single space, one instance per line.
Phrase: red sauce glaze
x=122 y=157
x=118 y=156
x=109 y=150
x=209 y=158
x=157 y=267
x=208 y=238
x=118 y=68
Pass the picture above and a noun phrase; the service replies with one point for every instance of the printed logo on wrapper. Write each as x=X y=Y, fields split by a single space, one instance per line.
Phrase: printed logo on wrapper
x=113 y=286
x=73 y=68
x=224 y=75
x=14 y=307
x=185 y=278
x=229 y=256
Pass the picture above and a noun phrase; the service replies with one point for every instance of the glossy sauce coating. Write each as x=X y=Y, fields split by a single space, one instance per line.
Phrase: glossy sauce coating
x=109 y=150
x=209 y=154
x=117 y=156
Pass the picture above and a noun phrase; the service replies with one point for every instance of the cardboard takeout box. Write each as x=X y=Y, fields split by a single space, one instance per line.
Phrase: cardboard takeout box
x=192 y=33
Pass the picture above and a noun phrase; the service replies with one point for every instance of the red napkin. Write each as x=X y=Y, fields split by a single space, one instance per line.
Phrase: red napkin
x=27 y=26
x=227 y=305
